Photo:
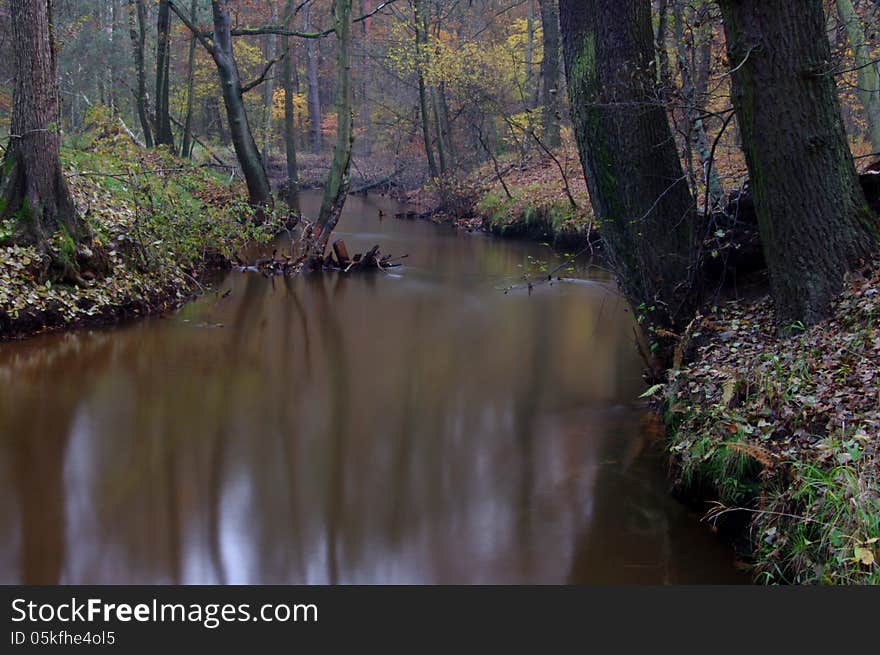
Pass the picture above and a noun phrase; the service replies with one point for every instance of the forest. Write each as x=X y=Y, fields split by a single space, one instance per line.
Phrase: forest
x=234 y=226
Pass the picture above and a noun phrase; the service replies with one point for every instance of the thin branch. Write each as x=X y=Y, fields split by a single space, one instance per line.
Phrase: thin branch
x=262 y=78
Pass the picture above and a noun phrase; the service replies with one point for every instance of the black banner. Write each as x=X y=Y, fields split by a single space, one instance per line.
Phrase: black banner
x=326 y=619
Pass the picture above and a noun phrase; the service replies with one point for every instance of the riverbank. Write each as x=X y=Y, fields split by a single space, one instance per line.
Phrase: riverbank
x=779 y=438
x=163 y=222
x=542 y=197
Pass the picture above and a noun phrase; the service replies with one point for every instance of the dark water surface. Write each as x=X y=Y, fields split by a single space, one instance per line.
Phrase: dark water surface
x=415 y=427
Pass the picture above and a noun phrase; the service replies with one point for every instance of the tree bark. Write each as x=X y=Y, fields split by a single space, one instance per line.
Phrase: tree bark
x=867 y=73
x=164 y=135
x=33 y=189
x=813 y=218
x=550 y=72
x=339 y=179
x=137 y=11
x=638 y=191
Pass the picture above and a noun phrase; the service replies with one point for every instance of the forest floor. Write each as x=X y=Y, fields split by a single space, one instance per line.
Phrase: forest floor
x=164 y=223
x=781 y=436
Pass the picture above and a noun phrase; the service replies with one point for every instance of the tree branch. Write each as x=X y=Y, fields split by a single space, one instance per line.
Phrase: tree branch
x=262 y=78
x=199 y=34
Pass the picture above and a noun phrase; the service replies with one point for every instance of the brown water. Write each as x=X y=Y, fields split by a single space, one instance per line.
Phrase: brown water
x=416 y=427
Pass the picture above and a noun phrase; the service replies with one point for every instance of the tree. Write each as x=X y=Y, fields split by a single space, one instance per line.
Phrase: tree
x=33 y=189
x=137 y=18
x=813 y=218
x=187 y=145
x=867 y=73
x=221 y=51
x=691 y=96
x=289 y=127
x=638 y=191
x=314 y=98
x=550 y=71
x=339 y=179
x=420 y=23
x=164 y=135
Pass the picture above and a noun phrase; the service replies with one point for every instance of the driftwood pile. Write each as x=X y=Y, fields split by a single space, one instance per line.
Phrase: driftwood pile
x=337 y=260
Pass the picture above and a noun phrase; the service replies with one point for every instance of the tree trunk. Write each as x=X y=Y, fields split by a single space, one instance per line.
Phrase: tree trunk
x=137 y=11
x=366 y=119
x=421 y=52
x=164 y=136
x=187 y=145
x=33 y=189
x=640 y=196
x=867 y=74
x=664 y=77
x=289 y=127
x=695 y=130
x=240 y=130
x=339 y=179
x=812 y=214
x=550 y=72
x=314 y=99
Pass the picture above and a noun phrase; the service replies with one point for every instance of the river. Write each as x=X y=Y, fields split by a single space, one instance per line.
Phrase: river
x=415 y=426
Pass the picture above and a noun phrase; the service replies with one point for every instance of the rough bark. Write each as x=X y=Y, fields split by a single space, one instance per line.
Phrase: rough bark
x=813 y=218
x=33 y=190
x=550 y=72
x=137 y=30
x=867 y=73
x=164 y=135
x=638 y=191
x=339 y=178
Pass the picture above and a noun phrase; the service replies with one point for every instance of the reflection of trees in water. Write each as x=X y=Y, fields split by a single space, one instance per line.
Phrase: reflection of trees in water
x=37 y=411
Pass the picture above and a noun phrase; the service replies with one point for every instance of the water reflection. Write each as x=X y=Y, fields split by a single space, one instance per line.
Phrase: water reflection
x=420 y=427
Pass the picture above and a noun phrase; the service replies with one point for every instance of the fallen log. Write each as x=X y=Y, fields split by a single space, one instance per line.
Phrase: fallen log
x=338 y=260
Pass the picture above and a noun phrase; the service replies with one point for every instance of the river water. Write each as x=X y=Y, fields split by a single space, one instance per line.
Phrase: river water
x=419 y=426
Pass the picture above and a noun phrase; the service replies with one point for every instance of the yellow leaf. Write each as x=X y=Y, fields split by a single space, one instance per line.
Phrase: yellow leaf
x=864 y=555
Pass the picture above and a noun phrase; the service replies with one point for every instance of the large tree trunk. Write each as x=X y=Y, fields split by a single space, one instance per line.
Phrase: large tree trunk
x=240 y=130
x=638 y=191
x=314 y=99
x=137 y=11
x=164 y=136
x=550 y=71
x=867 y=74
x=289 y=127
x=33 y=190
x=812 y=215
x=339 y=179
